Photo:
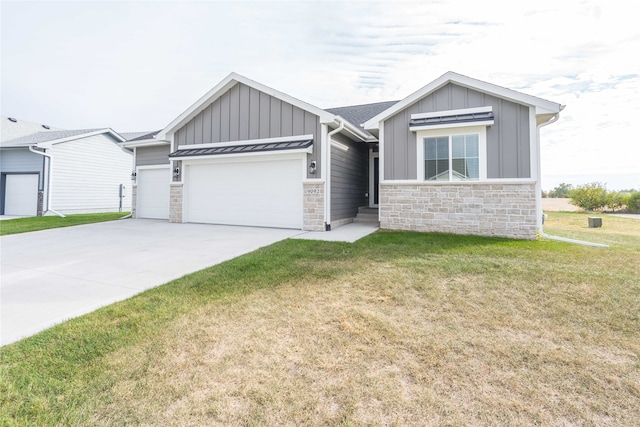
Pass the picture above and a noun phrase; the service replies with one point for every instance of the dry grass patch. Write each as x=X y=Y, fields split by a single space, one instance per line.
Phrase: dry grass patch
x=398 y=329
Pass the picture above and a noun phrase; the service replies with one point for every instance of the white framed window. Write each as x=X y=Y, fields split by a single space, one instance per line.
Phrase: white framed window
x=454 y=154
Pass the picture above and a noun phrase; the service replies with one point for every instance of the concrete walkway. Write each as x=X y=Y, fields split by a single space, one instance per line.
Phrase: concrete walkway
x=53 y=275
x=347 y=233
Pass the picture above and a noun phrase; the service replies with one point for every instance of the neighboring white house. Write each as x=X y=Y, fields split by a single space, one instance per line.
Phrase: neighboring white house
x=48 y=170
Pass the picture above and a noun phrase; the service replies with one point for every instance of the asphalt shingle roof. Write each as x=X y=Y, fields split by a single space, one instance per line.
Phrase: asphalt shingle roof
x=139 y=136
x=358 y=114
x=36 y=138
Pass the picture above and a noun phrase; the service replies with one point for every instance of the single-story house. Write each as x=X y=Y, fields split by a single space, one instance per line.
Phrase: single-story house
x=45 y=170
x=459 y=155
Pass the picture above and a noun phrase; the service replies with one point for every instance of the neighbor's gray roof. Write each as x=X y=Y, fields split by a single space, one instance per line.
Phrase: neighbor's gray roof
x=358 y=114
x=139 y=136
x=40 y=137
x=248 y=148
x=15 y=128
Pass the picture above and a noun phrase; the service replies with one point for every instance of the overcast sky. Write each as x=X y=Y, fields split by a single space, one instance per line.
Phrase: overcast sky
x=136 y=66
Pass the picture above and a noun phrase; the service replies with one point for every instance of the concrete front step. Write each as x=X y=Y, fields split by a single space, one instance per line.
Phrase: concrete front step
x=367 y=209
x=367 y=215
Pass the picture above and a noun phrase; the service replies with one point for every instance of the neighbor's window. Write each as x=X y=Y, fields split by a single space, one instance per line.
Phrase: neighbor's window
x=452 y=158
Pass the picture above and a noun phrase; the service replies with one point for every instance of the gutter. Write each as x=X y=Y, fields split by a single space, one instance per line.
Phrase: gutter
x=49 y=185
x=538 y=191
x=327 y=192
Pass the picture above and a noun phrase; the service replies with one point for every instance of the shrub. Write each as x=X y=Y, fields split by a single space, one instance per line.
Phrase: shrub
x=616 y=200
x=633 y=201
x=561 y=190
x=590 y=197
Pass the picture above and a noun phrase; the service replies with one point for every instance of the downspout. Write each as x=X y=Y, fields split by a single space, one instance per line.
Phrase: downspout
x=42 y=153
x=539 y=191
x=327 y=204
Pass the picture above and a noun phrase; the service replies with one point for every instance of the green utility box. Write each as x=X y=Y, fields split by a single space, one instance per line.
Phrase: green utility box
x=595 y=222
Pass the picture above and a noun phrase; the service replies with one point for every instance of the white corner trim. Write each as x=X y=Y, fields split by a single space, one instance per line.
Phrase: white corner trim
x=245 y=142
x=446 y=113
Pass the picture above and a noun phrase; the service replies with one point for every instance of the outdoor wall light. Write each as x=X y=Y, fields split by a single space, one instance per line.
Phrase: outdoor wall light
x=176 y=172
x=133 y=175
x=312 y=167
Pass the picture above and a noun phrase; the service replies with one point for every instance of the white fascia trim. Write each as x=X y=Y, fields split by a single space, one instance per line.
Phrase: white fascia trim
x=245 y=142
x=254 y=154
x=144 y=143
x=226 y=84
x=446 y=113
x=48 y=144
x=451 y=125
x=542 y=105
x=339 y=145
x=353 y=130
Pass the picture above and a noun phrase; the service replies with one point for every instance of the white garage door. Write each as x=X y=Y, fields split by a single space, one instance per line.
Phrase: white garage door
x=254 y=193
x=153 y=193
x=21 y=195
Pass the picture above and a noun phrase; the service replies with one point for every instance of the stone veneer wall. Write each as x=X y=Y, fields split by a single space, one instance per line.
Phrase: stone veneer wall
x=313 y=206
x=134 y=200
x=485 y=209
x=175 y=202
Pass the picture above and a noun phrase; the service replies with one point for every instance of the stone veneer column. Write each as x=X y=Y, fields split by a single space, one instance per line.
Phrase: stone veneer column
x=313 y=206
x=175 y=202
x=134 y=200
x=40 y=208
x=485 y=209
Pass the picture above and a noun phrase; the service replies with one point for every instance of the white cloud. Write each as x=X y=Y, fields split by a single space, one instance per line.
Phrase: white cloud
x=137 y=65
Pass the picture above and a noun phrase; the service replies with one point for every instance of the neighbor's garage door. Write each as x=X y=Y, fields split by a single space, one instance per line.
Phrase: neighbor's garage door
x=255 y=193
x=153 y=193
x=21 y=195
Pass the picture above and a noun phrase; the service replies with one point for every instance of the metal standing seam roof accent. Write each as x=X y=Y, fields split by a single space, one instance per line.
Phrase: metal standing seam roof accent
x=246 y=148
x=456 y=118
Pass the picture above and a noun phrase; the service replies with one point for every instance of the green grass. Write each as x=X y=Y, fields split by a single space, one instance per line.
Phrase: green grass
x=396 y=329
x=36 y=223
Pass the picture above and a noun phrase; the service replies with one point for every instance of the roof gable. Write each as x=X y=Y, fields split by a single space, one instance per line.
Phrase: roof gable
x=542 y=106
x=225 y=85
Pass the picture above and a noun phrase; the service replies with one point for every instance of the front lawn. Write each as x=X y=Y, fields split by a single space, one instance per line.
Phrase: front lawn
x=36 y=223
x=396 y=329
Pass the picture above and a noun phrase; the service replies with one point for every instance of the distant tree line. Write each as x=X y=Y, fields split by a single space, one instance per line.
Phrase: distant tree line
x=595 y=196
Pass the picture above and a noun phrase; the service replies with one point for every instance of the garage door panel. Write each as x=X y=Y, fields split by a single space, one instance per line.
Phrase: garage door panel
x=264 y=193
x=153 y=193
x=21 y=195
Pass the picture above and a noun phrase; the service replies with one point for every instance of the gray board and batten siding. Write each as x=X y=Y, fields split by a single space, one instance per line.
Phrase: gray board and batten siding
x=349 y=178
x=154 y=155
x=244 y=113
x=508 y=153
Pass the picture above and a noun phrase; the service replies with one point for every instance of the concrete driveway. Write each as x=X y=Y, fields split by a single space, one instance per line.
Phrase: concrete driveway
x=53 y=275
